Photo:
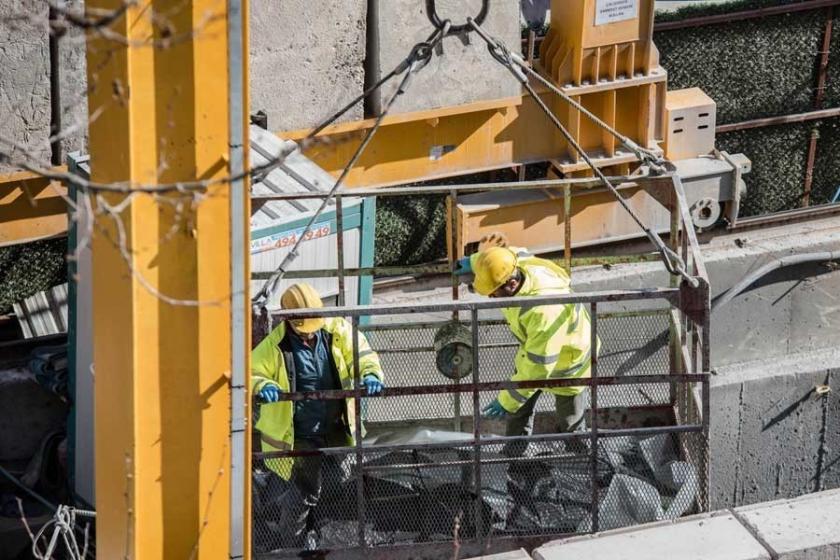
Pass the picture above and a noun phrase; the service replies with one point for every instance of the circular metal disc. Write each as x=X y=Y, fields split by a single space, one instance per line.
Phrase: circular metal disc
x=705 y=213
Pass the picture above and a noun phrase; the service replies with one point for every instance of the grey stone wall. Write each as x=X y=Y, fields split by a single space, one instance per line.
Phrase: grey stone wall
x=772 y=434
x=307 y=60
x=73 y=69
x=463 y=73
x=24 y=77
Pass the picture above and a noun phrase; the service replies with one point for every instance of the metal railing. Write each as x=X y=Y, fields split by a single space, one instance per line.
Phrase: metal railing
x=468 y=515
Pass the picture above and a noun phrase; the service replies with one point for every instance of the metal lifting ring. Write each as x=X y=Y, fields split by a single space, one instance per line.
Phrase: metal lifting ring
x=431 y=11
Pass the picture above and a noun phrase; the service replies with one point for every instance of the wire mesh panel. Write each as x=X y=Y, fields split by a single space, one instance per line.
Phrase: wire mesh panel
x=315 y=507
x=622 y=444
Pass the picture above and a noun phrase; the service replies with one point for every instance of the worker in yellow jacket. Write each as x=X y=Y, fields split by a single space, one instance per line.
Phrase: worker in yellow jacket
x=307 y=355
x=555 y=340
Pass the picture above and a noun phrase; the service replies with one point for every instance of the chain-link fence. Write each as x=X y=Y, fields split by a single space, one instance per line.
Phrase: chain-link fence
x=430 y=470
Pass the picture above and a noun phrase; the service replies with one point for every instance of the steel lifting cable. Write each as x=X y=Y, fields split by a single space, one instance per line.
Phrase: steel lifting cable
x=420 y=55
x=673 y=263
x=643 y=154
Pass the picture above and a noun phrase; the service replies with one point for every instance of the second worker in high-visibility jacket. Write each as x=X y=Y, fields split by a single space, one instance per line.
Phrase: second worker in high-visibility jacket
x=313 y=354
x=555 y=340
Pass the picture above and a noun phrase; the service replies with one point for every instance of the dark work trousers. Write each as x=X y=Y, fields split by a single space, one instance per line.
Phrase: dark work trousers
x=310 y=475
x=570 y=418
x=521 y=476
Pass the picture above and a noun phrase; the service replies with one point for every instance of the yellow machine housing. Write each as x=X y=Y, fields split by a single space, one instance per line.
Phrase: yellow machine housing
x=601 y=53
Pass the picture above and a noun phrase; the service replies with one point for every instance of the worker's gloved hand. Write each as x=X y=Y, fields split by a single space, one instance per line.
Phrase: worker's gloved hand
x=463 y=267
x=372 y=384
x=494 y=410
x=270 y=393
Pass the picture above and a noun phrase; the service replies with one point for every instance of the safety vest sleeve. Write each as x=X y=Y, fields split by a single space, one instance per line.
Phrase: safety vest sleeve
x=267 y=362
x=368 y=359
x=545 y=329
x=554 y=339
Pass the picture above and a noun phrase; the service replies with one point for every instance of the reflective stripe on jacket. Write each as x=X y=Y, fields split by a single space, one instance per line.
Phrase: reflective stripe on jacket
x=276 y=422
x=555 y=340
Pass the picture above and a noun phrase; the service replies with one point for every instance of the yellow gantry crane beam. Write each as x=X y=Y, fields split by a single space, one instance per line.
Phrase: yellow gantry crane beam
x=31 y=207
x=171 y=480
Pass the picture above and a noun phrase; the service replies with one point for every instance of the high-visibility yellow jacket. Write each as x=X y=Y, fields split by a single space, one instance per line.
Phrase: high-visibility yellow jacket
x=555 y=340
x=276 y=422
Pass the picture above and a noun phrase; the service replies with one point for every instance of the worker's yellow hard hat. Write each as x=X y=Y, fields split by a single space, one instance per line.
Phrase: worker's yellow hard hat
x=303 y=296
x=493 y=267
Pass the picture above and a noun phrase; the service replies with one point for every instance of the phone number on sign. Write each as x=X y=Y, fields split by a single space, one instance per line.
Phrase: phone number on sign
x=288 y=238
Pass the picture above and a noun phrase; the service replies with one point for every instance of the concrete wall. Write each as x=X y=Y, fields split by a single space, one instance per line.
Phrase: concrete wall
x=773 y=435
x=24 y=77
x=307 y=59
x=793 y=310
x=802 y=529
x=73 y=71
x=465 y=73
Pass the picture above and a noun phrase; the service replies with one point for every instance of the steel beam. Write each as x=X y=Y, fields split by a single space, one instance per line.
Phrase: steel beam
x=160 y=77
x=746 y=14
x=31 y=208
x=782 y=119
x=438 y=143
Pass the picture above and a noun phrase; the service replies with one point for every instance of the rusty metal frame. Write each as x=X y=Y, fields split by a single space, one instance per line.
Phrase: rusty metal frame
x=688 y=309
x=822 y=73
x=702 y=21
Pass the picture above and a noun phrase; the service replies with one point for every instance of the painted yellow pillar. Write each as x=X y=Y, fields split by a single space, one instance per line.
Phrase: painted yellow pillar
x=161 y=79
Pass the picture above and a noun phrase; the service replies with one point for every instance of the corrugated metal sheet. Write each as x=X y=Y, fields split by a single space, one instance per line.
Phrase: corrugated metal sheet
x=315 y=254
x=297 y=173
x=277 y=224
x=44 y=313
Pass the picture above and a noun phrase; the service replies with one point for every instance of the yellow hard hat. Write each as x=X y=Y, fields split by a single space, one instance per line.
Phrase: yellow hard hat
x=493 y=267
x=303 y=296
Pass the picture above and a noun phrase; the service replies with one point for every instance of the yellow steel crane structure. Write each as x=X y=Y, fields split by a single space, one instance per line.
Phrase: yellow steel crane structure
x=170 y=413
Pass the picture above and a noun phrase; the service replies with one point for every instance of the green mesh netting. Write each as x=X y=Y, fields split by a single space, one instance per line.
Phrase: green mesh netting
x=410 y=230
x=752 y=69
x=779 y=156
x=29 y=268
x=699 y=10
x=832 y=85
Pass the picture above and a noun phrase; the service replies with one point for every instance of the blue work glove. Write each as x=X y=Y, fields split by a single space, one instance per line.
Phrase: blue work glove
x=270 y=393
x=463 y=267
x=494 y=410
x=372 y=384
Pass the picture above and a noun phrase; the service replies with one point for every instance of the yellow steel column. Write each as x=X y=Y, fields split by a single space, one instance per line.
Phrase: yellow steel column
x=163 y=334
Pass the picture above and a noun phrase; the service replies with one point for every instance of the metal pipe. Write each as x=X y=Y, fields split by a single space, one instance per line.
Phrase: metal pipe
x=240 y=408
x=622 y=181
x=818 y=101
x=415 y=390
x=746 y=14
x=357 y=432
x=55 y=86
x=668 y=294
x=339 y=248
x=456 y=283
x=787 y=216
x=567 y=227
x=444 y=268
x=784 y=119
x=484 y=441
x=593 y=430
x=479 y=521
x=776 y=264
